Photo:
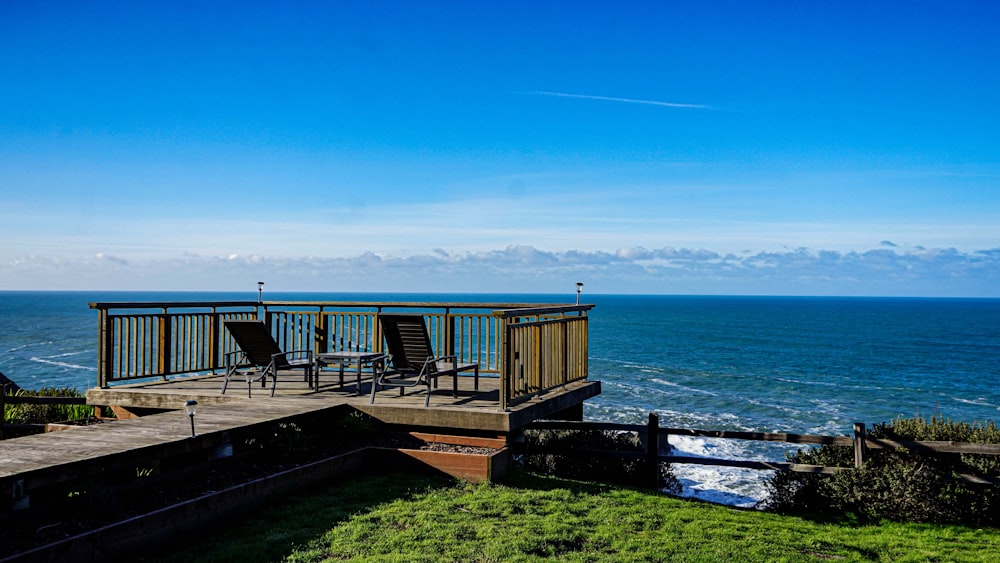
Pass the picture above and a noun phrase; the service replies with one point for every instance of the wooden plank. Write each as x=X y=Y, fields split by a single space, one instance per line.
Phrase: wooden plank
x=765 y=465
x=937 y=447
x=31 y=400
x=471 y=441
x=515 y=311
x=580 y=425
x=763 y=436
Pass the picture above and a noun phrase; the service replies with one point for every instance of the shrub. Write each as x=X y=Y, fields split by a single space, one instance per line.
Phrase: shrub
x=898 y=484
x=590 y=466
x=21 y=413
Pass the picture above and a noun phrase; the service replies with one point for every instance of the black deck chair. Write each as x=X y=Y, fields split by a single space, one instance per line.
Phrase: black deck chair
x=411 y=359
x=259 y=356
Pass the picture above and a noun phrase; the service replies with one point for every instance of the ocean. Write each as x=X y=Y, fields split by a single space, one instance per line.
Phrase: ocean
x=773 y=364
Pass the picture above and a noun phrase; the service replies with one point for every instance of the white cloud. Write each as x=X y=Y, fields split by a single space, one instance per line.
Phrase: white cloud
x=625 y=100
x=526 y=269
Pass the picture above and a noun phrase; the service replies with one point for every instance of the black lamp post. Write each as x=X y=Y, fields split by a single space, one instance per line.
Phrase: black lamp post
x=579 y=288
x=260 y=292
x=190 y=405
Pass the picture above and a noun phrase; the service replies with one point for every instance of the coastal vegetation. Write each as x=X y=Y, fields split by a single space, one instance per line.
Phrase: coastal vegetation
x=900 y=484
x=590 y=455
x=41 y=413
x=535 y=518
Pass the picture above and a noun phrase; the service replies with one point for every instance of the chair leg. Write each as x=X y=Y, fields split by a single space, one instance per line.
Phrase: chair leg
x=230 y=372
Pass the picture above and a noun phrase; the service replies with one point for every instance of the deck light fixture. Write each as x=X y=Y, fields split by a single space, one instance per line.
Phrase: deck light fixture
x=190 y=405
x=260 y=292
x=579 y=288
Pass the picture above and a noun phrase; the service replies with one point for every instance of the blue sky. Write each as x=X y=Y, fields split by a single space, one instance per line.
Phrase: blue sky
x=784 y=148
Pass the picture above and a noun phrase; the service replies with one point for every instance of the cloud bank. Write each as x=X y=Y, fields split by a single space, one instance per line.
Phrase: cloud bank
x=885 y=271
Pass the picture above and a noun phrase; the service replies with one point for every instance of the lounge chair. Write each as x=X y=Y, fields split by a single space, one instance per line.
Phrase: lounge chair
x=411 y=359
x=259 y=356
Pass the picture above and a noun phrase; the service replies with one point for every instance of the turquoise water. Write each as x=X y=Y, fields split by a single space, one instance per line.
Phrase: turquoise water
x=777 y=364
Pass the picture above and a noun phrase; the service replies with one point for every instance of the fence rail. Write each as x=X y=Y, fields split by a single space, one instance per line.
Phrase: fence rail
x=655 y=439
x=22 y=399
x=532 y=347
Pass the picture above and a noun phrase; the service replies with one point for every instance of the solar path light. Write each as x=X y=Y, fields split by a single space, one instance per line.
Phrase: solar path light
x=579 y=288
x=190 y=405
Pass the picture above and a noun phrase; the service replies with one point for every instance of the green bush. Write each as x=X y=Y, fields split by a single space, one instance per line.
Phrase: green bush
x=40 y=414
x=589 y=466
x=898 y=484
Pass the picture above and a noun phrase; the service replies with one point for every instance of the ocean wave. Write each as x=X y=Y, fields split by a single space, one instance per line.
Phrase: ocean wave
x=61 y=364
x=29 y=345
x=802 y=382
x=743 y=488
x=684 y=387
x=67 y=354
x=777 y=407
x=732 y=486
x=830 y=428
x=979 y=402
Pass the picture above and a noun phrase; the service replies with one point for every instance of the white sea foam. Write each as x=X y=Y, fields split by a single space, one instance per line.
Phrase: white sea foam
x=783 y=408
x=722 y=485
x=814 y=383
x=683 y=387
x=730 y=486
x=61 y=364
x=829 y=428
x=981 y=401
x=66 y=354
x=29 y=345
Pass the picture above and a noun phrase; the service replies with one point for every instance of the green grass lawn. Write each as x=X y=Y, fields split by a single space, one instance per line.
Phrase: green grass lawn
x=532 y=518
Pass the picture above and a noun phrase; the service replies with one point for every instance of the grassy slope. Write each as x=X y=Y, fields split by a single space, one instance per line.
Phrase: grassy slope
x=536 y=518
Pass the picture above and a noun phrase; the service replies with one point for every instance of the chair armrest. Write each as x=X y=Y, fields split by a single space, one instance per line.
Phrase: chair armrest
x=433 y=362
x=307 y=353
x=235 y=358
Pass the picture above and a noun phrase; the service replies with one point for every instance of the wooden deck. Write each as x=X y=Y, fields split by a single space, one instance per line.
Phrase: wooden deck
x=471 y=410
x=38 y=461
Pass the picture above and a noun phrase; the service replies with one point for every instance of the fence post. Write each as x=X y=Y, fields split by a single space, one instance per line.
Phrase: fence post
x=860 y=446
x=653 y=450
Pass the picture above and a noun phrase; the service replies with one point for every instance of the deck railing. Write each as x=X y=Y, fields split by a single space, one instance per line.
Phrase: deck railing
x=542 y=352
x=532 y=348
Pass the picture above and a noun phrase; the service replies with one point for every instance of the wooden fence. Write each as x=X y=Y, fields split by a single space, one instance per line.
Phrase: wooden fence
x=655 y=440
x=16 y=399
